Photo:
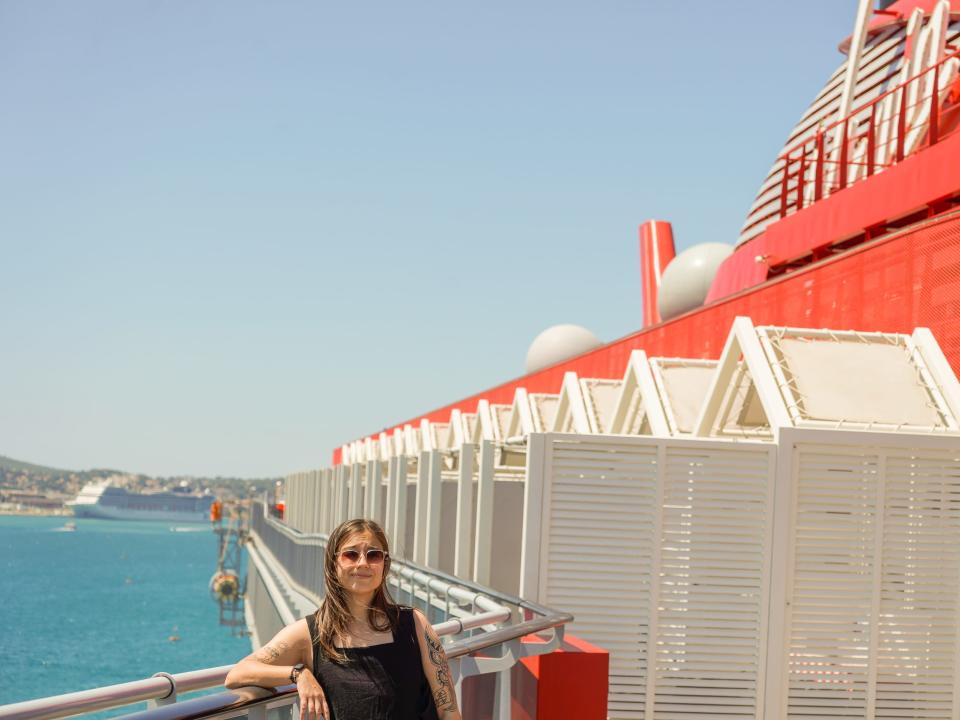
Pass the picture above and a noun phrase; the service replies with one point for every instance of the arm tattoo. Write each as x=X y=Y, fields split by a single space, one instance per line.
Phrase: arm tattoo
x=270 y=653
x=444 y=696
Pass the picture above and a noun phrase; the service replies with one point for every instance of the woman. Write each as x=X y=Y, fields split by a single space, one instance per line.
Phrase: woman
x=360 y=656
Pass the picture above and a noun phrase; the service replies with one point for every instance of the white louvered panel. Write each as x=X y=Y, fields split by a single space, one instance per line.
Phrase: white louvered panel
x=713 y=583
x=599 y=552
x=833 y=576
x=876 y=585
x=920 y=588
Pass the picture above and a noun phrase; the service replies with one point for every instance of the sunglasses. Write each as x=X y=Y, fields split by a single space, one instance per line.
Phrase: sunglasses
x=374 y=556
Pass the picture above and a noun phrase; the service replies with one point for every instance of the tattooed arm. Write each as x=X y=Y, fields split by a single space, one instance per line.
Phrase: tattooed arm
x=270 y=665
x=436 y=669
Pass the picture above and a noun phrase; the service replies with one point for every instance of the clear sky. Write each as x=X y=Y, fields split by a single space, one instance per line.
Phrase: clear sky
x=237 y=234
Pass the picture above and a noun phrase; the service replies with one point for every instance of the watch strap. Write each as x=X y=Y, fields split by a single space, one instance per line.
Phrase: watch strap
x=295 y=672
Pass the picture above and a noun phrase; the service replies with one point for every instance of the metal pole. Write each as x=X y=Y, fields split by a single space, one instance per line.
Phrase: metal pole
x=783 y=186
x=818 y=187
x=844 y=152
x=935 y=106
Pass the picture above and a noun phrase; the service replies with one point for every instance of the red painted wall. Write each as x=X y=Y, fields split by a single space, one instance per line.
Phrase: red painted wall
x=899 y=282
x=923 y=178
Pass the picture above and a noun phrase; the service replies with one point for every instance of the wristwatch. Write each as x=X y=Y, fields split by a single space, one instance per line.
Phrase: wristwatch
x=295 y=672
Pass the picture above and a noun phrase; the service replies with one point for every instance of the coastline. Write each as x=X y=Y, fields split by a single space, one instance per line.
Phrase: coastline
x=35 y=512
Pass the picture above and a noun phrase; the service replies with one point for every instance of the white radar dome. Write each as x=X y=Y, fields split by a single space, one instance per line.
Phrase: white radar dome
x=686 y=281
x=559 y=343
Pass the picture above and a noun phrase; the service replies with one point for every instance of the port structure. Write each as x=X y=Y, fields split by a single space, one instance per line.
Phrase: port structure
x=228 y=584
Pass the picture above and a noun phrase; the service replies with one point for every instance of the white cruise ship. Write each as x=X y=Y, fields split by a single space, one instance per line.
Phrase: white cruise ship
x=103 y=500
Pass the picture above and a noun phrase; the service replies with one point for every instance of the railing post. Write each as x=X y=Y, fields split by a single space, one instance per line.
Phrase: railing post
x=431 y=557
x=391 y=498
x=800 y=177
x=457 y=678
x=316 y=501
x=420 y=512
x=844 y=152
x=484 y=526
x=356 y=490
x=400 y=509
x=783 y=186
x=902 y=124
x=461 y=562
x=344 y=495
x=168 y=699
x=325 y=526
x=818 y=188
x=533 y=494
x=935 y=107
x=501 y=699
x=872 y=141
x=372 y=497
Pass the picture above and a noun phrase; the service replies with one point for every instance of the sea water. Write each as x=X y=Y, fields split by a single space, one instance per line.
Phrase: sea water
x=113 y=601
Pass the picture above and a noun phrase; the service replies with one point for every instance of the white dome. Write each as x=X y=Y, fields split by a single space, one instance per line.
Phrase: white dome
x=559 y=343
x=687 y=279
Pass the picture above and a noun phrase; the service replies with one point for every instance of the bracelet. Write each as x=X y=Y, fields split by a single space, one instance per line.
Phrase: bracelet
x=295 y=672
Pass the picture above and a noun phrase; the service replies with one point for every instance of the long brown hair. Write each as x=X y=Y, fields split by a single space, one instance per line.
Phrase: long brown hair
x=333 y=615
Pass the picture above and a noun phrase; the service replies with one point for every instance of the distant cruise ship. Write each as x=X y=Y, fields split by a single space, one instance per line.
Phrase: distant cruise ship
x=102 y=500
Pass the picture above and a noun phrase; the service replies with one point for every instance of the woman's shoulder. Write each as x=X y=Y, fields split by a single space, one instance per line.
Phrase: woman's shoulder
x=413 y=618
x=416 y=613
x=404 y=615
x=307 y=626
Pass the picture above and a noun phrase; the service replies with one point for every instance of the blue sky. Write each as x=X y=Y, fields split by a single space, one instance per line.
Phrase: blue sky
x=238 y=234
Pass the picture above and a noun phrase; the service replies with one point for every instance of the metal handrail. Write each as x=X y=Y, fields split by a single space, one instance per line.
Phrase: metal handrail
x=210 y=705
x=452 y=580
x=164 y=688
x=158 y=687
x=812 y=151
x=232 y=700
x=428 y=579
x=407 y=568
x=936 y=67
x=493 y=612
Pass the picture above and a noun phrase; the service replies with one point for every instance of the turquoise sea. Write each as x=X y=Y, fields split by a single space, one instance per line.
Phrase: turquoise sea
x=99 y=606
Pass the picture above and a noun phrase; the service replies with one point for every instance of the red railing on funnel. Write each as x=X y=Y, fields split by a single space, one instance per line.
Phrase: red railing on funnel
x=873 y=137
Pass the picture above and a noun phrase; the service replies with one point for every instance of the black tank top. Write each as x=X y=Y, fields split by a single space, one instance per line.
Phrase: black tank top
x=379 y=682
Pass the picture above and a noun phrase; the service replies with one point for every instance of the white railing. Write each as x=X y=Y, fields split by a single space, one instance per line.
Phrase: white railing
x=161 y=689
x=470 y=618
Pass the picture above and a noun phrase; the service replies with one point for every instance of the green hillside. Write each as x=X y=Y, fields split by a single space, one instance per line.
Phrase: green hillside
x=17 y=465
x=28 y=477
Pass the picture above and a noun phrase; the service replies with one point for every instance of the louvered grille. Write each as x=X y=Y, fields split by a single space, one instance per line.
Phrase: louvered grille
x=876 y=584
x=712 y=594
x=832 y=585
x=705 y=558
x=599 y=561
x=917 y=643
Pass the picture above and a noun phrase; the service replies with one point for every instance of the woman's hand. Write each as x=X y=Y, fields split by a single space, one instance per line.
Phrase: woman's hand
x=313 y=703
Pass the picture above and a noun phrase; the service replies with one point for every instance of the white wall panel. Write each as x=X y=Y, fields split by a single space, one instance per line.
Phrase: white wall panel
x=660 y=549
x=875 y=583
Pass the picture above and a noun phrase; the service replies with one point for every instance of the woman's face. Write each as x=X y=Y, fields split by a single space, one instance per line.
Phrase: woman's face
x=358 y=572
